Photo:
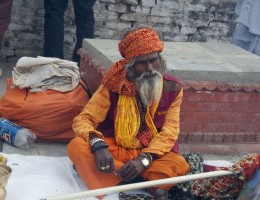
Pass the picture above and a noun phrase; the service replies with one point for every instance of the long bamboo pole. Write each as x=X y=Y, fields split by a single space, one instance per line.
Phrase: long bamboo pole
x=135 y=186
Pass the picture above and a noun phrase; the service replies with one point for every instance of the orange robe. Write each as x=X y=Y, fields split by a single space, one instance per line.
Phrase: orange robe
x=169 y=164
x=96 y=111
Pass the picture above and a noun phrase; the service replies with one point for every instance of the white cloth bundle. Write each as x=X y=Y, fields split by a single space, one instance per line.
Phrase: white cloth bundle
x=43 y=73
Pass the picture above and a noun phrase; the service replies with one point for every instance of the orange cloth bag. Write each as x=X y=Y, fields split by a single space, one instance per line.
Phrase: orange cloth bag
x=48 y=114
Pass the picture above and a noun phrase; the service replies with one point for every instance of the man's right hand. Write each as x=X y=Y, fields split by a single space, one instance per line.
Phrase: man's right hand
x=104 y=160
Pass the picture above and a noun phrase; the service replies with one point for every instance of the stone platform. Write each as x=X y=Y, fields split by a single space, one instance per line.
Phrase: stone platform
x=221 y=106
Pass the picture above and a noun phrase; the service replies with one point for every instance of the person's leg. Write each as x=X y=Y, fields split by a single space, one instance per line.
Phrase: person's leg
x=79 y=152
x=54 y=27
x=84 y=20
x=5 y=17
x=167 y=166
x=257 y=48
x=242 y=37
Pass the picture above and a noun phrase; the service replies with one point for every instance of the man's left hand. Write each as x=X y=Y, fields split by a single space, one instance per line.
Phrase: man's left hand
x=104 y=160
x=131 y=170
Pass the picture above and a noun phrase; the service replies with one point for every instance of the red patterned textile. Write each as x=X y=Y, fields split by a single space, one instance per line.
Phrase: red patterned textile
x=145 y=136
x=115 y=80
x=140 y=42
x=228 y=186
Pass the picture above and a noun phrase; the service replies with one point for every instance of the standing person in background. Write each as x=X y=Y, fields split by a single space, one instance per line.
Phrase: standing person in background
x=131 y=124
x=5 y=17
x=247 y=32
x=54 y=26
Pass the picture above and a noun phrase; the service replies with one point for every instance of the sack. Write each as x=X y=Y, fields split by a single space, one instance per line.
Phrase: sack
x=48 y=114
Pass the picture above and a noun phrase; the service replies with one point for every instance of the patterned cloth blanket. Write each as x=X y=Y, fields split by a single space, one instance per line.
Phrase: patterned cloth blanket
x=219 y=188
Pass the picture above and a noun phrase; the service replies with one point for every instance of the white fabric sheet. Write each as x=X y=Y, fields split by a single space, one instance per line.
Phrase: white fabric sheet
x=218 y=163
x=37 y=177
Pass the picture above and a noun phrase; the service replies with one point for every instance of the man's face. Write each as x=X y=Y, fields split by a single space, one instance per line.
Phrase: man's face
x=148 y=77
x=147 y=63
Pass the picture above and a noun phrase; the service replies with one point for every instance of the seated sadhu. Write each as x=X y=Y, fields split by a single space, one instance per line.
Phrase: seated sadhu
x=131 y=124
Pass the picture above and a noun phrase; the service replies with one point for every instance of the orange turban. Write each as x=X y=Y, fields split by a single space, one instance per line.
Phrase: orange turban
x=140 y=42
x=136 y=43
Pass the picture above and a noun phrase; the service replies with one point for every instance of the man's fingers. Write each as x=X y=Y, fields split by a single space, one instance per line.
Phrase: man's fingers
x=112 y=167
x=130 y=175
x=123 y=171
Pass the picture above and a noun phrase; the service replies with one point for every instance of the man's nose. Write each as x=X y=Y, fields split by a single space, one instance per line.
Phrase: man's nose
x=149 y=67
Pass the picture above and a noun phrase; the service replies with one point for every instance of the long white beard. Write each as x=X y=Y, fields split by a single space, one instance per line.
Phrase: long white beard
x=149 y=87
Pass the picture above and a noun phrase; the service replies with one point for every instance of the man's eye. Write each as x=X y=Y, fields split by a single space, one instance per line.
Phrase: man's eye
x=145 y=62
x=152 y=60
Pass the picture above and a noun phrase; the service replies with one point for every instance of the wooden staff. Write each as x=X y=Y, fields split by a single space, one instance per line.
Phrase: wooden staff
x=141 y=185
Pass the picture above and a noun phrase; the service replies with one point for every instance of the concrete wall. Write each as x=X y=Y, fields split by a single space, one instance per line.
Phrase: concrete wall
x=176 y=20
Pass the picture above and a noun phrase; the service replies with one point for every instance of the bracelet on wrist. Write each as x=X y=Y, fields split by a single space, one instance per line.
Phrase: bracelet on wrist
x=95 y=140
x=98 y=145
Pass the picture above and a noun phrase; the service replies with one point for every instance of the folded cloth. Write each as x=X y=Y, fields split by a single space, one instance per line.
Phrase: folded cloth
x=43 y=73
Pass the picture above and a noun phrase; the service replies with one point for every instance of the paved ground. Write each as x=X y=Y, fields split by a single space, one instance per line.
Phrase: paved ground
x=59 y=149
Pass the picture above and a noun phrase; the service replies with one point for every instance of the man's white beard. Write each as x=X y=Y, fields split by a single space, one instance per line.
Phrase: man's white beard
x=149 y=87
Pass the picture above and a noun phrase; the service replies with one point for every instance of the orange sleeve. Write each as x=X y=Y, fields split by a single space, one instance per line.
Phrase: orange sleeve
x=165 y=140
x=92 y=114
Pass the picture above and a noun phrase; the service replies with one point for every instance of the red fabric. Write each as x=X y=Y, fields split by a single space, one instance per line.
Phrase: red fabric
x=145 y=136
x=115 y=80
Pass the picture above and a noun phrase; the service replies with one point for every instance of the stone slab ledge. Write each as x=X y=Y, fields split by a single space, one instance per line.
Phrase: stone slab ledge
x=197 y=85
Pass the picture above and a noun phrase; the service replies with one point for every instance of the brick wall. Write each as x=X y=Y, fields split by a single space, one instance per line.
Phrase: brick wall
x=176 y=20
x=216 y=117
x=220 y=117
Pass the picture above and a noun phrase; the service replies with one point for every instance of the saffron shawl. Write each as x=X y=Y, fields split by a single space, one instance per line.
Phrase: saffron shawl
x=127 y=121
